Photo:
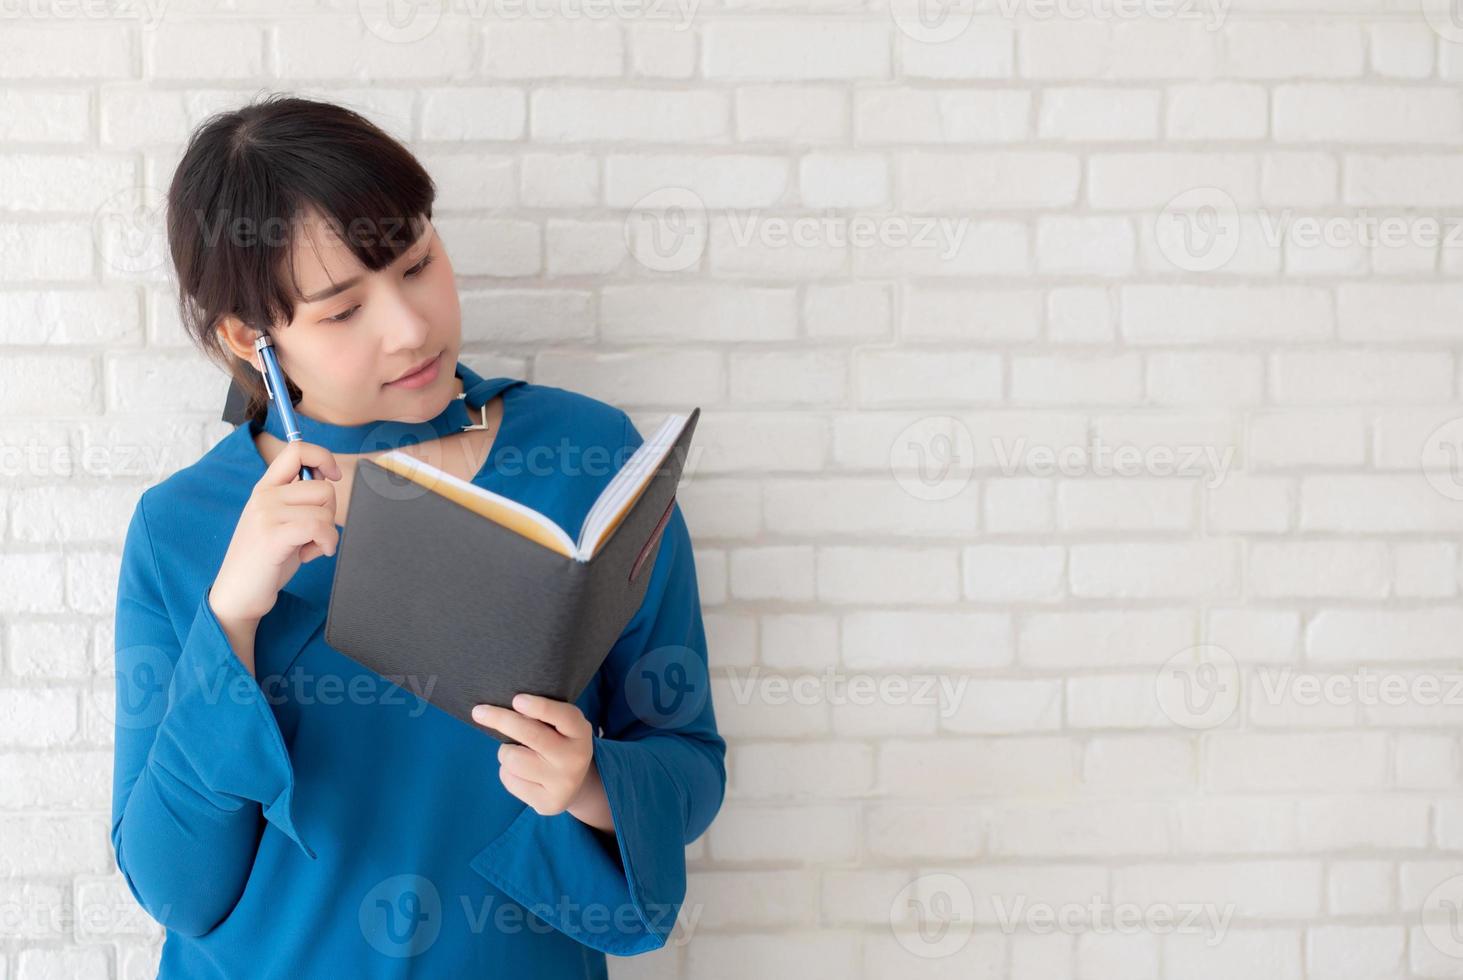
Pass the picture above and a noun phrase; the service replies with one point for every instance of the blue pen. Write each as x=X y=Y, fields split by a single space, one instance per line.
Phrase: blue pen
x=275 y=387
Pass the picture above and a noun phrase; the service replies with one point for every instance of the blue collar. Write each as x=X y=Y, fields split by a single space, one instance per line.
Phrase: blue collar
x=390 y=433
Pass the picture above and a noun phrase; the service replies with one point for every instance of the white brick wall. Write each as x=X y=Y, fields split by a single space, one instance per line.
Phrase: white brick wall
x=1050 y=386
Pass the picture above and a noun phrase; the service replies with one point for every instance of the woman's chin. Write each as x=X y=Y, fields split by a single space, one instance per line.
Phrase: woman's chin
x=423 y=405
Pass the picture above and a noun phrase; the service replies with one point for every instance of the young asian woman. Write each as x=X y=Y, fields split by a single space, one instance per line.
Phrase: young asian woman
x=281 y=810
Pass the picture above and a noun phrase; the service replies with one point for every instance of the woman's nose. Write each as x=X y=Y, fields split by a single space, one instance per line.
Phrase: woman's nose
x=405 y=327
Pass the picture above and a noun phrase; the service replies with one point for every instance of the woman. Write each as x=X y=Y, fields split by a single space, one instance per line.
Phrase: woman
x=279 y=809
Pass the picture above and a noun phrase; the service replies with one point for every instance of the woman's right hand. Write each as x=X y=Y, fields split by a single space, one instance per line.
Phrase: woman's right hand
x=286 y=522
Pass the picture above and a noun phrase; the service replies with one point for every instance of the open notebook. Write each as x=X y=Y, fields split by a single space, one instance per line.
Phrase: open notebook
x=474 y=597
x=604 y=517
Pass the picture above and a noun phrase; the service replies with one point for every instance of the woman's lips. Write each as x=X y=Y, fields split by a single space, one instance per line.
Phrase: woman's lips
x=423 y=377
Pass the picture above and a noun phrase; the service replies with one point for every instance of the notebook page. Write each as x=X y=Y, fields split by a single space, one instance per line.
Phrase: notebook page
x=625 y=488
x=495 y=507
x=629 y=476
x=622 y=491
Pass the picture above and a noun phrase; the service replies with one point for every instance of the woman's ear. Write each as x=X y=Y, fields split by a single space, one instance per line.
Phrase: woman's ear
x=238 y=337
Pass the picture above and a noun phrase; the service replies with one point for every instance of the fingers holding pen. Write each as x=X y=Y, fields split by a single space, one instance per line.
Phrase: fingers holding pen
x=285 y=467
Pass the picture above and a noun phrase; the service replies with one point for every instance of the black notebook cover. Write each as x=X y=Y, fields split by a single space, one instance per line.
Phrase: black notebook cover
x=427 y=589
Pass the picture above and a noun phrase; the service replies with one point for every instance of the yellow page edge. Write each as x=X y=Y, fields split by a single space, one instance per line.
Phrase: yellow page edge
x=499 y=509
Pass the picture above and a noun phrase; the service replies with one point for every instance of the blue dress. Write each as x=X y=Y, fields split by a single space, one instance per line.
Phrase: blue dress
x=322 y=821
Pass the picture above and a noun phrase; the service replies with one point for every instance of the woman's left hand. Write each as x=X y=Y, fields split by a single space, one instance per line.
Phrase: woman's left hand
x=553 y=769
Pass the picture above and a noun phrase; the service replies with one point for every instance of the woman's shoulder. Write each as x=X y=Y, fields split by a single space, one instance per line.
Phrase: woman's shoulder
x=223 y=463
x=187 y=504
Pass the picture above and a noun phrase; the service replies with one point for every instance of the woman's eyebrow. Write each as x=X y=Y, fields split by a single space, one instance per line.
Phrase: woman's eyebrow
x=345 y=284
x=332 y=290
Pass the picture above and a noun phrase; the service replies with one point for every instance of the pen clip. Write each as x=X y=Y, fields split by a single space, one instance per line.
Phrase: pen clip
x=261 y=342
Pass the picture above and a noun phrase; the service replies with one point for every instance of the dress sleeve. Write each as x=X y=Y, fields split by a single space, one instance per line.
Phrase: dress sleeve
x=662 y=763
x=199 y=757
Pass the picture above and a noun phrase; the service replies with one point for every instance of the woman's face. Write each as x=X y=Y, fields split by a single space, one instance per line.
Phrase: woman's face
x=357 y=331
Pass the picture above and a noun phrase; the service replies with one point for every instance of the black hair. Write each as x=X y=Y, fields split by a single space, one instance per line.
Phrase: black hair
x=246 y=180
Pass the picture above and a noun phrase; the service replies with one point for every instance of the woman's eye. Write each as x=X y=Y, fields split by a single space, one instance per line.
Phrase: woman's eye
x=411 y=273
